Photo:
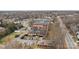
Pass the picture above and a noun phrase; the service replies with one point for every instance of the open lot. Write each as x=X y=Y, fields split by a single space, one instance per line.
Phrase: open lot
x=8 y=38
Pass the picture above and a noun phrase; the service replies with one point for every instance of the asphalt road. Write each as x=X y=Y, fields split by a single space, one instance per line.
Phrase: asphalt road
x=68 y=39
x=70 y=42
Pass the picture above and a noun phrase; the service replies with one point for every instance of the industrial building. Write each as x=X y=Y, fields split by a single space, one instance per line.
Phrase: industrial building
x=40 y=27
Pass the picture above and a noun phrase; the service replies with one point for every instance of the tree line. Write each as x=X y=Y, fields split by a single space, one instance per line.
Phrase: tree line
x=9 y=28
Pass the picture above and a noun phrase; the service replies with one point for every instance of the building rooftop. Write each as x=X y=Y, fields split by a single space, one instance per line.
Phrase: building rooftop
x=2 y=29
x=41 y=21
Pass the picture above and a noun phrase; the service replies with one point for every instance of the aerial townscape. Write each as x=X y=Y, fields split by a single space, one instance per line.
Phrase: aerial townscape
x=39 y=29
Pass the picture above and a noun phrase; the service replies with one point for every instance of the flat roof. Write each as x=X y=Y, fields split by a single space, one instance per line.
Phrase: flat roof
x=41 y=21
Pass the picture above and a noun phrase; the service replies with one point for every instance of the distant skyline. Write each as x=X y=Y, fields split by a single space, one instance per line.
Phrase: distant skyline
x=40 y=11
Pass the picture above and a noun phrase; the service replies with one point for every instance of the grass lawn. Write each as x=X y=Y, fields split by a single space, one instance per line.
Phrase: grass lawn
x=8 y=38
